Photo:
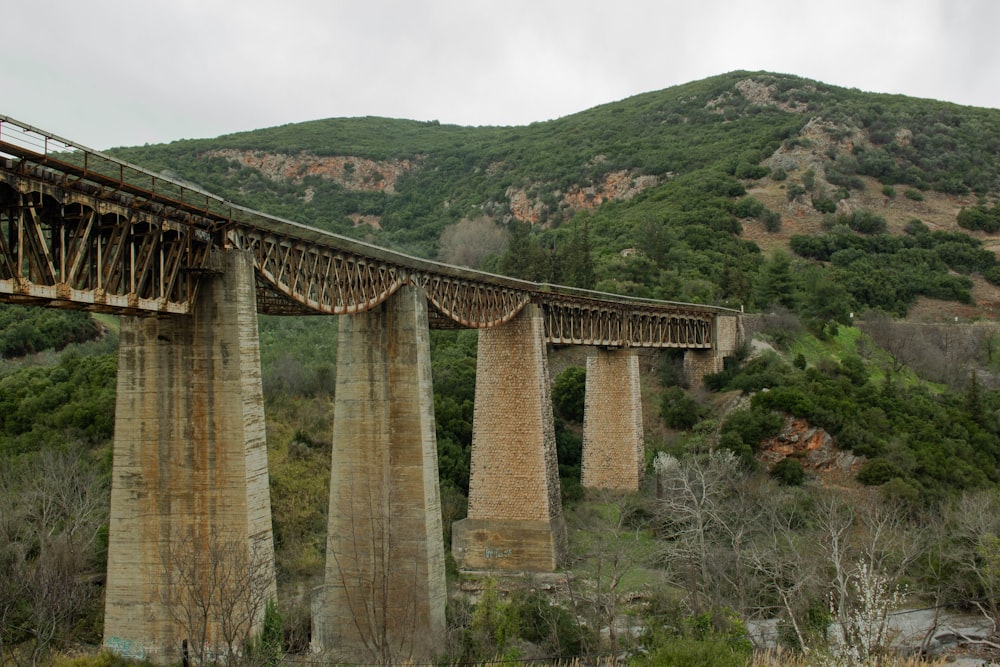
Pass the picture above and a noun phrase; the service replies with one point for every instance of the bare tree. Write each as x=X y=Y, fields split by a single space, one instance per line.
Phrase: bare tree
x=598 y=597
x=470 y=241
x=938 y=352
x=52 y=505
x=972 y=533
x=221 y=586
x=698 y=508
x=781 y=564
x=866 y=545
x=900 y=341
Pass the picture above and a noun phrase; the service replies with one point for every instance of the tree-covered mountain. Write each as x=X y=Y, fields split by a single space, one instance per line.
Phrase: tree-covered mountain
x=672 y=194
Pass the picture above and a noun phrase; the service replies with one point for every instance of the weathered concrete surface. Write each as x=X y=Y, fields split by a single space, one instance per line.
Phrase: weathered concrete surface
x=699 y=363
x=189 y=478
x=384 y=594
x=515 y=519
x=613 y=450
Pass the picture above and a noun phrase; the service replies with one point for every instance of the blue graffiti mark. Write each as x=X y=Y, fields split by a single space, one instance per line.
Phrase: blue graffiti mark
x=126 y=648
x=493 y=552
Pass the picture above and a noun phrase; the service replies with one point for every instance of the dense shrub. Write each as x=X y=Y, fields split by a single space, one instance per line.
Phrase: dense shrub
x=980 y=218
x=678 y=409
x=25 y=330
x=569 y=393
x=48 y=405
x=747 y=429
x=788 y=471
x=878 y=471
x=824 y=205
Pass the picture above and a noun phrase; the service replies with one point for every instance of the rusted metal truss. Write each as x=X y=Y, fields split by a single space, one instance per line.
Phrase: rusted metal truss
x=473 y=303
x=571 y=321
x=66 y=247
x=300 y=277
x=304 y=276
x=79 y=229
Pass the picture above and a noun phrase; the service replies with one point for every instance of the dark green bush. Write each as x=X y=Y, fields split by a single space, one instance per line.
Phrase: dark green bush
x=788 y=472
x=555 y=631
x=771 y=220
x=824 y=205
x=878 y=471
x=678 y=409
x=569 y=394
x=751 y=427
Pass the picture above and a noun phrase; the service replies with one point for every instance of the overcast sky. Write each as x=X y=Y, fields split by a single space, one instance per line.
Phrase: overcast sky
x=109 y=73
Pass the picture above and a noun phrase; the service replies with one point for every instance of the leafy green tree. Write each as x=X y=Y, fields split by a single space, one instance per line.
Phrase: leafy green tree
x=493 y=627
x=576 y=264
x=524 y=258
x=788 y=471
x=569 y=394
x=678 y=409
x=776 y=286
x=267 y=649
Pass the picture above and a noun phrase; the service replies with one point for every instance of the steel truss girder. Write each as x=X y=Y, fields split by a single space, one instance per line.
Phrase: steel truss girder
x=301 y=277
x=297 y=276
x=79 y=250
x=570 y=321
x=472 y=304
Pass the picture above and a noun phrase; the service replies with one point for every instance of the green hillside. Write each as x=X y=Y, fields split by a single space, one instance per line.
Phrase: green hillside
x=681 y=174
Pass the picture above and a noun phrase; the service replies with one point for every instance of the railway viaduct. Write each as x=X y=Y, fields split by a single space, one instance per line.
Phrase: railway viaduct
x=188 y=273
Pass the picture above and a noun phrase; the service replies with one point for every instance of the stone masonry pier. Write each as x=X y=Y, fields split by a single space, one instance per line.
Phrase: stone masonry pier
x=699 y=363
x=614 y=455
x=515 y=519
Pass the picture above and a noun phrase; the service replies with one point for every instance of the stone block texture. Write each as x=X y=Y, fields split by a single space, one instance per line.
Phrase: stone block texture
x=189 y=477
x=384 y=595
x=515 y=519
x=699 y=363
x=613 y=450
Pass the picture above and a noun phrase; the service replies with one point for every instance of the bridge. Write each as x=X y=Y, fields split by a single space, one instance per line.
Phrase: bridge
x=188 y=272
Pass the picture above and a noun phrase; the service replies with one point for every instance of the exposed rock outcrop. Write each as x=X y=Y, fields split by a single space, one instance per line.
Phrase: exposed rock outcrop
x=813 y=447
x=353 y=173
x=616 y=186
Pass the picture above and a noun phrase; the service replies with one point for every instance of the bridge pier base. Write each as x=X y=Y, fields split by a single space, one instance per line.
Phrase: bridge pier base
x=515 y=520
x=613 y=449
x=384 y=594
x=190 y=553
x=699 y=363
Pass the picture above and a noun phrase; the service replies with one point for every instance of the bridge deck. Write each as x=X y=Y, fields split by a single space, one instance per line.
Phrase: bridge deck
x=80 y=229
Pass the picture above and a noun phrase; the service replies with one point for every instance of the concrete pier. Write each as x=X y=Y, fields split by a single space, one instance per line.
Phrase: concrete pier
x=613 y=448
x=190 y=552
x=515 y=519
x=384 y=594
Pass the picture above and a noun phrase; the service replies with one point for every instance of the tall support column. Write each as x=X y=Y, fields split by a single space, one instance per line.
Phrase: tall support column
x=613 y=450
x=515 y=519
x=384 y=595
x=190 y=553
